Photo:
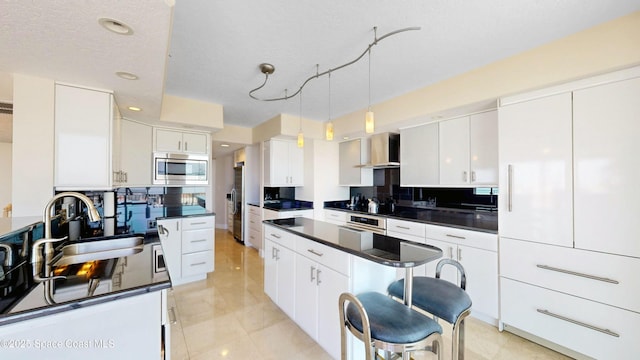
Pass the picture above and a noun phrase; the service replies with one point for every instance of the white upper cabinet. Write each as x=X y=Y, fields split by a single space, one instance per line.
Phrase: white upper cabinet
x=283 y=163
x=353 y=154
x=606 y=167
x=419 y=155
x=83 y=120
x=454 y=151
x=469 y=150
x=483 y=148
x=135 y=154
x=176 y=141
x=535 y=201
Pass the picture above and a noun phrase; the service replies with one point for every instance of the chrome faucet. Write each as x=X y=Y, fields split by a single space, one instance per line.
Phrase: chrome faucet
x=36 y=255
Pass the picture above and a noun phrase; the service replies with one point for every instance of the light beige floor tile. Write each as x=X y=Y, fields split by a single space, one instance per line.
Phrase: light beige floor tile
x=282 y=340
x=240 y=349
x=212 y=333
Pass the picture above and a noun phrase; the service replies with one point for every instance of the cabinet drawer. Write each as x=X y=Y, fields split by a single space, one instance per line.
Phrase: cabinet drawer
x=406 y=227
x=255 y=237
x=197 y=240
x=581 y=273
x=279 y=236
x=522 y=306
x=198 y=222
x=255 y=222
x=475 y=239
x=329 y=257
x=254 y=210
x=197 y=263
x=336 y=217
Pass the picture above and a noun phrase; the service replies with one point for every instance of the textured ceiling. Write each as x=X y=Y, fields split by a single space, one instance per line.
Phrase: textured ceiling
x=217 y=46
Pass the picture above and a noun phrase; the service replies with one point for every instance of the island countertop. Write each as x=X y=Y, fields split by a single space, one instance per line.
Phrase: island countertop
x=382 y=249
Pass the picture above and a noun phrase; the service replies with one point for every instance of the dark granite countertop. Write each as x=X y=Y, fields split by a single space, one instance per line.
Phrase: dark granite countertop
x=287 y=205
x=382 y=249
x=253 y=204
x=26 y=299
x=478 y=220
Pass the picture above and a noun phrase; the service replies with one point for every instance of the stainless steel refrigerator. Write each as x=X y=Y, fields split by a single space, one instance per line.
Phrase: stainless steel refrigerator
x=237 y=197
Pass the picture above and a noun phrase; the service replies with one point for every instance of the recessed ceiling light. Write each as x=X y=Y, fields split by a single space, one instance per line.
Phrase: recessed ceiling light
x=224 y=145
x=134 y=108
x=127 y=76
x=115 y=26
x=345 y=138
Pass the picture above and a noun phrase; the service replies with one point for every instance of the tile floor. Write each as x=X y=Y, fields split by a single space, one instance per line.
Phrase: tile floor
x=228 y=316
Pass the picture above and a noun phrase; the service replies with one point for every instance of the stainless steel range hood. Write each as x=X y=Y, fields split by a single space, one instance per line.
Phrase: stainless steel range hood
x=385 y=151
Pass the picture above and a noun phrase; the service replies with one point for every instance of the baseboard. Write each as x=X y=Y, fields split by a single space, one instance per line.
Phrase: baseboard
x=546 y=343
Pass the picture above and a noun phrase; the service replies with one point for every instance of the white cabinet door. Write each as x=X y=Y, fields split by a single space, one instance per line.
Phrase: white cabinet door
x=168 y=140
x=195 y=143
x=419 y=156
x=136 y=148
x=306 y=289
x=535 y=149
x=283 y=163
x=353 y=153
x=171 y=239
x=286 y=278
x=481 y=268
x=270 y=270
x=606 y=168
x=483 y=148
x=83 y=120
x=330 y=285
x=296 y=165
x=454 y=151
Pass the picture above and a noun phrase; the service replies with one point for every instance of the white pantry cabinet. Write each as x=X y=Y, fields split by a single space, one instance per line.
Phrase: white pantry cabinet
x=83 y=138
x=606 y=166
x=176 y=141
x=135 y=154
x=419 y=155
x=353 y=154
x=283 y=163
x=535 y=201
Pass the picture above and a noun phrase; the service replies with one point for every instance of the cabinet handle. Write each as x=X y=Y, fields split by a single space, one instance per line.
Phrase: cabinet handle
x=464 y=176
x=450 y=252
x=564 y=271
x=510 y=186
x=313 y=277
x=315 y=252
x=318 y=277
x=198 y=264
x=276 y=236
x=177 y=226
x=403 y=227
x=199 y=223
x=199 y=240
x=277 y=254
x=172 y=316
x=273 y=253
x=473 y=176
x=179 y=145
x=186 y=146
x=456 y=236
x=580 y=323
x=459 y=254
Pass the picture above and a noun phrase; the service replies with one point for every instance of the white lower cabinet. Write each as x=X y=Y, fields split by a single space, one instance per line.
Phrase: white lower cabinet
x=279 y=267
x=187 y=245
x=335 y=217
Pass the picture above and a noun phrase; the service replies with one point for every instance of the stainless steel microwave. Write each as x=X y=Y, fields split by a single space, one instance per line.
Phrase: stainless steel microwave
x=180 y=169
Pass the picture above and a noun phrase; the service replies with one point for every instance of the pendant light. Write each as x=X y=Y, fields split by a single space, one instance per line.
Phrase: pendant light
x=300 y=135
x=329 y=129
x=368 y=117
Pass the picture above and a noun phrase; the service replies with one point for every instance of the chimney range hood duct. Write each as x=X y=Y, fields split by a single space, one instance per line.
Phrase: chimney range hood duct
x=385 y=151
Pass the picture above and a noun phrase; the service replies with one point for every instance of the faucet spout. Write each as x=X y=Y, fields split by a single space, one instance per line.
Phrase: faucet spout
x=46 y=217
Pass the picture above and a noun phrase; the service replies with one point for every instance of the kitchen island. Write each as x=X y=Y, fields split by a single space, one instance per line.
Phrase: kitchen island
x=309 y=263
x=95 y=310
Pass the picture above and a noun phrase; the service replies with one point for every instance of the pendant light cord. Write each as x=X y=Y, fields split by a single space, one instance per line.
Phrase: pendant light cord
x=270 y=69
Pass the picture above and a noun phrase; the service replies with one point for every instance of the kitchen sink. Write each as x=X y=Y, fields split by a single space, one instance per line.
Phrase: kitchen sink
x=100 y=248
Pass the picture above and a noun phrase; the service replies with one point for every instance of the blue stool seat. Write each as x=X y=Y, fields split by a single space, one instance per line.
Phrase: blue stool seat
x=435 y=296
x=390 y=320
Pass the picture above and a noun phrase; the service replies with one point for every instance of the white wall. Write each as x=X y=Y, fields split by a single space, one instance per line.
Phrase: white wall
x=222 y=183
x=32 y=158
x=5 y=174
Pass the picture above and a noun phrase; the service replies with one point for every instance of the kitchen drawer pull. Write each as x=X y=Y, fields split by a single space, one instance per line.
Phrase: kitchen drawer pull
x=456 y=236
x=315 y=252
x=580 y=323
x=473 y=176
x=464 y=176
x=510 y=187
x=276 y=236
x=199 y=223
x=318 y=282
x=172 y=316
x=403 y=227
x=198 y=263
x=592 y=277
x=201 y=240
x=313 y=278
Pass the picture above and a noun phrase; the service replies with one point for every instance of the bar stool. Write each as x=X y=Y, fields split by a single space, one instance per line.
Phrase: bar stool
x=442 y=299
x=385 y=324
